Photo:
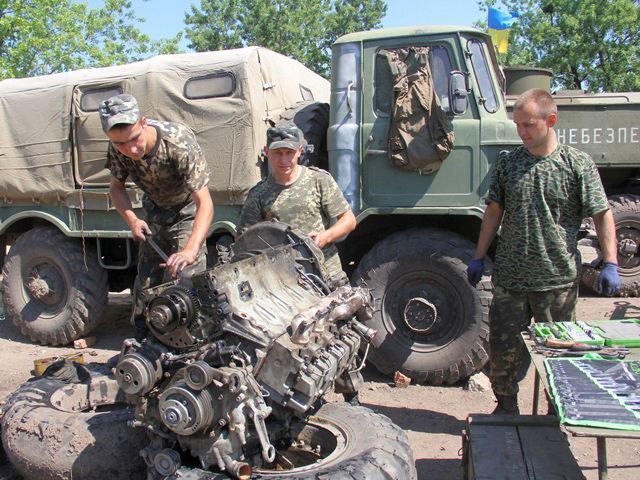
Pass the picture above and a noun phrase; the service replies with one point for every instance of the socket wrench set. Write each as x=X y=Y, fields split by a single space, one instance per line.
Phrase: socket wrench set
x=612 y=333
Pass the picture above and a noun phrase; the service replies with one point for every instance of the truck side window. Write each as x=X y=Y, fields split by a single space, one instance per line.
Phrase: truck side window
x=90 y=100
x=210 y=86
x=307 y=94
x=483 y=76
x=440 y=69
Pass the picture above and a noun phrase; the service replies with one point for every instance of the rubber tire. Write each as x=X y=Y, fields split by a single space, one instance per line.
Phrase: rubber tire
x=78 y=310
x=427 y=263
x=374 y=448
x=312 y=118
x=43 y=442
x=626 y=212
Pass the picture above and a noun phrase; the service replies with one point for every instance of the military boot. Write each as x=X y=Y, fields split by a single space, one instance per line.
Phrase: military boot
x=507 y=405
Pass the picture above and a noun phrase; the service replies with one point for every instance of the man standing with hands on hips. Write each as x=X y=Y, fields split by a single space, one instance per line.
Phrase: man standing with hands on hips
x=539 y=194
x=165 y=161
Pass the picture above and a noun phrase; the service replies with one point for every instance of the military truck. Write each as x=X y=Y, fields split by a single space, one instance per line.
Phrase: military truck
x=607 y=126
x=417 y=221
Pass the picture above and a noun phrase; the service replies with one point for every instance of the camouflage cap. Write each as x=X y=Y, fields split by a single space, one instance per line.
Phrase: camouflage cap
x=283 y=138
x=120 y=109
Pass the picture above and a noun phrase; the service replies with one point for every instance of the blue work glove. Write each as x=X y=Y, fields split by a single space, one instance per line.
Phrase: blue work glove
x=475 y=268
x=609 y=280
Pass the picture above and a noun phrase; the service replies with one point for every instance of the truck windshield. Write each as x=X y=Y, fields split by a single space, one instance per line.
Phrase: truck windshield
x=483 y=75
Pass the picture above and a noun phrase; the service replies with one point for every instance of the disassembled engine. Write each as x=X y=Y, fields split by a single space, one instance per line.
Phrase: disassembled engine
x=236 y=354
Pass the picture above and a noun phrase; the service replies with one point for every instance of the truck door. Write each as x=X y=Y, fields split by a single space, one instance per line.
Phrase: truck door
x=384 y=185
x=89 y=141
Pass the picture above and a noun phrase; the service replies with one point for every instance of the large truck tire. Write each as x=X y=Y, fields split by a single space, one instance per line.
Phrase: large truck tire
x=312 y=118
x=47 y=437
x=54 y=289
x=626 y=212
x=432 y=325
x=355 y=443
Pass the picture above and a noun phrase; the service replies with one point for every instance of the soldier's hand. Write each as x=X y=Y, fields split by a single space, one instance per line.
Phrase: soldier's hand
x=140 y=230
x=177 y=262
x=475 y=268
x=609 y=280
x=321 y=239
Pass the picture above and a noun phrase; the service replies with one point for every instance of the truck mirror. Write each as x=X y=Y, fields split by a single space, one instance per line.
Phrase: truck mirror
x=458 y=92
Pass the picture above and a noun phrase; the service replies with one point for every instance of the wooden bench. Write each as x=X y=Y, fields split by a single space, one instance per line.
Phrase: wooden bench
x=517 y=447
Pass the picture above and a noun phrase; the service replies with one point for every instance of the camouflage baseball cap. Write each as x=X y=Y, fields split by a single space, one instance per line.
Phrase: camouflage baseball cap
x=284 y=138
x=119 y=109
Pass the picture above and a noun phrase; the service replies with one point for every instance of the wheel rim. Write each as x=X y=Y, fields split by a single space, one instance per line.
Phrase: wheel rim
x=422 y=310
x=628 y=238
x=319 y=442
x=44 y=283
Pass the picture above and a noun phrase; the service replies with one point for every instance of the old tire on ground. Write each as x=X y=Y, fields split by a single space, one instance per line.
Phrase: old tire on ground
x=49 y=294
x=357 y=443
x=432 y=325
x=626 y=212
x=312 y=118
x=44 y=438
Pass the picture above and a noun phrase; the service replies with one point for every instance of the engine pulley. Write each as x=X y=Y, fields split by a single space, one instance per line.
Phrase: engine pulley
x=174 y=307
x=185 y=411
x=136 y=374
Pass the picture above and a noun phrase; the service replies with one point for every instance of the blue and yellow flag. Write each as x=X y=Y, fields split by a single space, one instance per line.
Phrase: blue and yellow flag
x=499 y=24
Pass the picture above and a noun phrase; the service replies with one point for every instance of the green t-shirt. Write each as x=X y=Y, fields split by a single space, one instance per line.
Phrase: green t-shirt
x=308 y=204
x=545 y=200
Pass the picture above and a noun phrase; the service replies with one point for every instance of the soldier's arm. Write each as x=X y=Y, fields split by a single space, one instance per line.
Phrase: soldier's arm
x=606 y=231
x=490 y=224
x=122 y=203
x=203 y=219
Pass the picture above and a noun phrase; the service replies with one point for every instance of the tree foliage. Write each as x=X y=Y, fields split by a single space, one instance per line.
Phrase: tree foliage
x=39 y=37
x=302 y=29
x=589 y=44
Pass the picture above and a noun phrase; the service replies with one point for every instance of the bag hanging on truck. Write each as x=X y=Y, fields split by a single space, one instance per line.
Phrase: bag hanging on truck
x=420 y=134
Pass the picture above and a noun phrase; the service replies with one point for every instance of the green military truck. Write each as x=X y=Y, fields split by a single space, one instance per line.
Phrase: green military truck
x=417 y=220
x=607 y=126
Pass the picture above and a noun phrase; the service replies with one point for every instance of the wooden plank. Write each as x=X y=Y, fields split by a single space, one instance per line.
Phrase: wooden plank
x=496 y=453
x=547 y=453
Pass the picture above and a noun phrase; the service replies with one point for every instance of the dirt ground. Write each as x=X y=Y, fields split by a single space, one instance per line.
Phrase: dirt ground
x=433 y=417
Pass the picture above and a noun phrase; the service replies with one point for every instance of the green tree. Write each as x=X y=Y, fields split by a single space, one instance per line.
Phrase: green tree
x=302 y=29
x=39 y=37
x=589 y=44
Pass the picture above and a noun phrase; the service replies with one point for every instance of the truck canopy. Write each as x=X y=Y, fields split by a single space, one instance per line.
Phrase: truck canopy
x=52 y=144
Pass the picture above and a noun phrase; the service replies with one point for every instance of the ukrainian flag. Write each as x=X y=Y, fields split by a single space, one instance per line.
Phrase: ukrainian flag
x=499 y=24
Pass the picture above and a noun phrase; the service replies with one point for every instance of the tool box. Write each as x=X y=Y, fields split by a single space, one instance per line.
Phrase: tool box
x=568 y=331
x=516 y=447
x=617 y=333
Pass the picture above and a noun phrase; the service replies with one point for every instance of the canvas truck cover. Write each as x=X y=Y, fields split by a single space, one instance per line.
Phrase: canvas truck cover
x=52 y=144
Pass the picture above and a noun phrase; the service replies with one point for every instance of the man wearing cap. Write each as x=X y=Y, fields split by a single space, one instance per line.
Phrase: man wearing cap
x=165 y=161
x=306 y=198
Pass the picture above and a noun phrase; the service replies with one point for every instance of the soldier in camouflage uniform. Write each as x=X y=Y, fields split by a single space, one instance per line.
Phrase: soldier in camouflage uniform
x=166 y=162
x=307 y=199
x=539 y=194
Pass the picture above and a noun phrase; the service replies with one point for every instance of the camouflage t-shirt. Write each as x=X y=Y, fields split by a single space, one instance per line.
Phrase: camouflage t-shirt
x=544 y=200
x=171 y=172
x=308 y=204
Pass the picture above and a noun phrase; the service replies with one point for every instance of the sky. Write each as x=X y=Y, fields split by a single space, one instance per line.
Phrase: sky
x=164 y=18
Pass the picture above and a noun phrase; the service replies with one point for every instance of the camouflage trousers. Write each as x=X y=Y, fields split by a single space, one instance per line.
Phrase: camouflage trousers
x=511 y=313
x=171 y=228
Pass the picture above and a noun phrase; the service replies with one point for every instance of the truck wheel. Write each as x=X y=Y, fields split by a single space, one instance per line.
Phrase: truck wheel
x=432 y=325
x=353 y=443
x=626 y=212
x=312 y=118
x=47 y=436
x=54 y=291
